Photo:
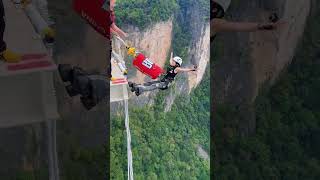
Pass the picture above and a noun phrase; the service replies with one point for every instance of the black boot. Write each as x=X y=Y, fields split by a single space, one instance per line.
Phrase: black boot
x=71 y=91
x=88 y=102
x=65 y=71
x=81 y=84
x=97 y=91
x=138 y=91
x=69 y=73
x=132 y=86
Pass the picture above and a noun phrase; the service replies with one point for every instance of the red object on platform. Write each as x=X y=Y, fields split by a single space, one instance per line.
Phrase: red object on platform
x=30 y=65
x=147 y=67
x=31 y=62
x=95 y=12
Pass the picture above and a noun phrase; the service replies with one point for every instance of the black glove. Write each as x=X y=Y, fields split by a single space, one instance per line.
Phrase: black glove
x=266 y=26
x=273 y=18
x=195 y=68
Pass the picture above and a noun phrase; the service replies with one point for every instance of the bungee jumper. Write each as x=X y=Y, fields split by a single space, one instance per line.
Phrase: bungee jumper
x=92 y=87
x=167 y=78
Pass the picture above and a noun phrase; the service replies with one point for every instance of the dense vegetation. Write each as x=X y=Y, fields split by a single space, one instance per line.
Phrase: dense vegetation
x=165 y=145
x=286 y=142
x=82 y=163
x=142 y=13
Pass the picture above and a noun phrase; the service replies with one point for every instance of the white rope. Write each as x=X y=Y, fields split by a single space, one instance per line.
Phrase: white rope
x=121 y=40
x=126 y=108
x=129 y=153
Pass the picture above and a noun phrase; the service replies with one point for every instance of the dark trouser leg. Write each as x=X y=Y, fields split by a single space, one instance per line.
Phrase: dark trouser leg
x=150 y=83
x=155 y=85
x=98 y=87
x=92 y=88
x=134 y=86
x=2 y=27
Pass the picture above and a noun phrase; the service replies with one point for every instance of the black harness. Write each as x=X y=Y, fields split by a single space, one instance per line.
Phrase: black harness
x=170 y=74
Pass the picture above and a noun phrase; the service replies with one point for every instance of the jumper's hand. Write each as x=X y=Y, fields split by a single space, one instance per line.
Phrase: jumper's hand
x=270 y=26
x=195 y=68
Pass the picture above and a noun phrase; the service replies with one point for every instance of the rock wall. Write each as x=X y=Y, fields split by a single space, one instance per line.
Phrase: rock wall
x=245 y=63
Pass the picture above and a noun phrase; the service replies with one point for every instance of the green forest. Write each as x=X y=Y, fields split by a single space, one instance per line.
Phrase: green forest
x=164 y=145
x=142 y=13
x=286 y=143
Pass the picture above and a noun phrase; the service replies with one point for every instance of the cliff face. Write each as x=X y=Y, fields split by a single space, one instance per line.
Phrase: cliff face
x=198 y=53
x=250 y=61
x=200 y=56
x=272 y=52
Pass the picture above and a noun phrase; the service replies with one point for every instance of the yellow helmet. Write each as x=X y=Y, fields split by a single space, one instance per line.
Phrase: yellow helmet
x=131 y=51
